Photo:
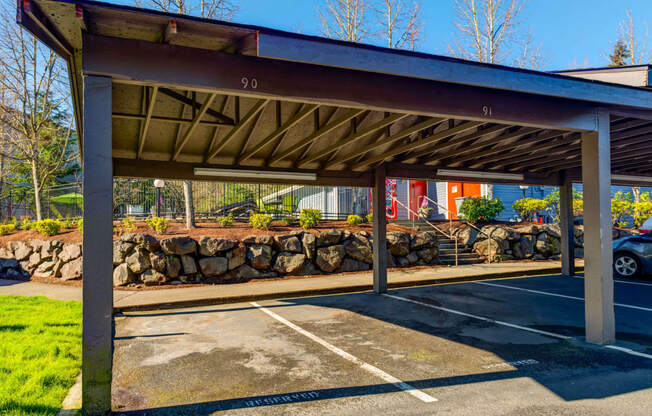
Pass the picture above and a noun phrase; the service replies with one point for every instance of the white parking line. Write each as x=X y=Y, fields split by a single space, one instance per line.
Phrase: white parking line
x=620 y=281
x=524 y=328
x=482 y=318
x=539 y=292
x=367 y=367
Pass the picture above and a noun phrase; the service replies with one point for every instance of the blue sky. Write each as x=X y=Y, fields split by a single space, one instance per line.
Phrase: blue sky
x=574 y=33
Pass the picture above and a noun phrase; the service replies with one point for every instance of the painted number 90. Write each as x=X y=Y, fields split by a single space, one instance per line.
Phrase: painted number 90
x=249 y=83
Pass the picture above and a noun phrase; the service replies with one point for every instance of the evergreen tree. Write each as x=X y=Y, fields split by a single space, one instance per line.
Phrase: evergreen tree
x=620 y=54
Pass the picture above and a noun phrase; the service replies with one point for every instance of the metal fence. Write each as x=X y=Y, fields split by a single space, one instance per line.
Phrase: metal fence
x=138 y=198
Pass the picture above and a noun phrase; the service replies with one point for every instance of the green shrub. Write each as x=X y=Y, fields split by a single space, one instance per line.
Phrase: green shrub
x=14 y=222
x=48 y=227
x=370 y=217
x=225 y=221
x=128 y=225
x=620 y=208
x=6 y=228
x=80 y=225
x=528 y=208
x=481 y=210
x=354 y=220
x=308 y=218
x=642 y=211
x=158 y=224
x=260 y=221
x=26 y=224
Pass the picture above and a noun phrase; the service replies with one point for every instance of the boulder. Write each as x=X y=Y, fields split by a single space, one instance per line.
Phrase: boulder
x=309 y=242
x=358 y=247
x=47 y=249
x=391 y=260
x=329 y=259
x=122 y=275
x=547 y=245
x=5 y=253
x=529 y=229
x=288 y=243
x=72 y=269
x=189 y=265
x=527 y=243
x=483 y=248
x=499 y=232
x=398 y=243
x=70 y=252
x=428 y=254
x=538 y=256
x=12 y=246
x=173 y=266
x=35 y=259
x=8 y=263
x=403 y=262
x=237 y=257
x=289 y=263
x=309 y=269
x=264 y=240
x=22 y=251
x=260 y=256
x=423 y=240
x=158 y=261
x=552 y=230
x=138 y=261
x=413 y=258
x=13 y=274
x=328 y=238
x=245 y=272
x=350 y=265
x=151 y=277
x=210 y=246
x=147 y=241
x=178 y=245
x=213 y=266
x=579 y=252
x=45 y=269
x=121 y=250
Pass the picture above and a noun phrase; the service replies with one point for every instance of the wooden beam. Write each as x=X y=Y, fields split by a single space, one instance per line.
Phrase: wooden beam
x=514 y=164
x=504 y=159
x=216 y=132
x=122 y=59
x=408 y=131
x=304 y=111
x=461 y=128
x=248 y=137
x=317 y=134
x=251 y=114
x=148 y=118
x=455 y=142
x=196 y=106
x=194 y=124
x=353 y=138
x=170 y=31
x=174 y=120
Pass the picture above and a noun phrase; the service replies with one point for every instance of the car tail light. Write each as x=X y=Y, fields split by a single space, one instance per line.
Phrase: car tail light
x=644 y=231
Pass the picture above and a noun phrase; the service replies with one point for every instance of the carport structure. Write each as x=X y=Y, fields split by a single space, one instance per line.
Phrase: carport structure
x=158 y=95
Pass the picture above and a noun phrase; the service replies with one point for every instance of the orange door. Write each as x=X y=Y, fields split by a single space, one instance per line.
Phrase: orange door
x=459 y=190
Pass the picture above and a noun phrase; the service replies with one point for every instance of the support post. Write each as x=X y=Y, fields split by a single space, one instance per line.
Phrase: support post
x=379 y=226
x=598 y=257
x=567 y=228
x=97 y=336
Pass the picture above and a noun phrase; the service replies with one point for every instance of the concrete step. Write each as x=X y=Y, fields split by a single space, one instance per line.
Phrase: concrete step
x=451 y=251
x=460 y=256
x=451 y=262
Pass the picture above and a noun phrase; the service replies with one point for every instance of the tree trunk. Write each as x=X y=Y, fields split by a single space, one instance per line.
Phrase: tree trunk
x=37 y=192
x=2 y=182
x=190 y=212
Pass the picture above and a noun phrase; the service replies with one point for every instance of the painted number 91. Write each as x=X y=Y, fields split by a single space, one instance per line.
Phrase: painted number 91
x=249 y=83
x=486 y=110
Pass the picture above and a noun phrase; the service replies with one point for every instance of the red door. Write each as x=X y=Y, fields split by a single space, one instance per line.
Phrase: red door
x=461 y=189
x=417 y=190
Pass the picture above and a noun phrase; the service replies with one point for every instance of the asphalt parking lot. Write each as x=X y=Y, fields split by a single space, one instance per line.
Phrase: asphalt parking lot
x=505 y=347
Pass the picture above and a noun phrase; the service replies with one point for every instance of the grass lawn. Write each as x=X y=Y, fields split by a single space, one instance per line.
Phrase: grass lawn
x=40 y=353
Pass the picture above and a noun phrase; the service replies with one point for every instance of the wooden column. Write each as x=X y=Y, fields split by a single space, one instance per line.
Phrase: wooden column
x=380 y=225
x=598 y=257
x=567 y=229
x=97 y=337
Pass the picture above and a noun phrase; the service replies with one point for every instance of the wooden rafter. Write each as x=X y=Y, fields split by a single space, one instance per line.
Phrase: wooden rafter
x=146 y=121
x=194 y=124
x=195 y=105
x=304 y=111
x=540 y=145
x=216 y=131
x=251 y=114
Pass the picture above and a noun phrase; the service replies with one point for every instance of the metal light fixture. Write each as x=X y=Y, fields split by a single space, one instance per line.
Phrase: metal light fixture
x=255 y=174
x=629 y=178
x=480 y=175
x=158 y=184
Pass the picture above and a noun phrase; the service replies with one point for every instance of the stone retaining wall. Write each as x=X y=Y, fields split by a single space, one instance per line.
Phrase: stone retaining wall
x=143 y=259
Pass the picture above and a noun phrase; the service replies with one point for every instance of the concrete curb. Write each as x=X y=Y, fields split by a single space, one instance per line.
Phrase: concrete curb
x=332 y=291
x=72 y=404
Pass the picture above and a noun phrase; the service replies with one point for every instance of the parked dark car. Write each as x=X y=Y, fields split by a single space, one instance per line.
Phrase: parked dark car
x=633 y=256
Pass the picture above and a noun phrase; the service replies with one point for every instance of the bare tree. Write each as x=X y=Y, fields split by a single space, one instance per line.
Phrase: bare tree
x=345 y=19
x=634 y=39
x=210 y=9
x=35 y=109
x=400 y=23
x=492 y=31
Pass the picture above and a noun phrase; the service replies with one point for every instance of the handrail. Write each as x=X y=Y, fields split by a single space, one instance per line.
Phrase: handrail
x=450 y=226
x=450 y=236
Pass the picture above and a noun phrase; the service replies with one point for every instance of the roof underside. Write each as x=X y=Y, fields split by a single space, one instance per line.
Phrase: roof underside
x=159 y=122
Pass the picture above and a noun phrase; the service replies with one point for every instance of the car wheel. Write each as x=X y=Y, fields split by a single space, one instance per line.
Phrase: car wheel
x=626 y=265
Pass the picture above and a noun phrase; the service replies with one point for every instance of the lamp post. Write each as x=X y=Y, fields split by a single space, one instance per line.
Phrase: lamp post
x=158 y=184
x=523 y=189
